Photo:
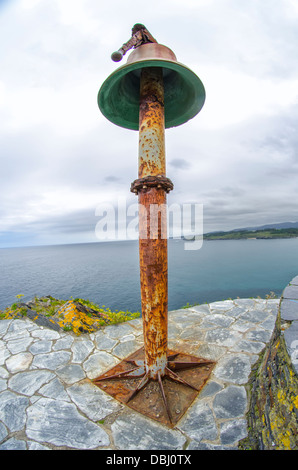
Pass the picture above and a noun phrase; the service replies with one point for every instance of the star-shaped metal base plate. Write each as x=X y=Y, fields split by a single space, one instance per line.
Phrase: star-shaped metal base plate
x=164 y=400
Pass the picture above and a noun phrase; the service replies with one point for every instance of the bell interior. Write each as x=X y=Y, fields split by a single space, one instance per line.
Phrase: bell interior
x=118 y=97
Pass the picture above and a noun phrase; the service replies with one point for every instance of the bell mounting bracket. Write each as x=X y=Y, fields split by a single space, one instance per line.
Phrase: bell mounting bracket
x=140 y=35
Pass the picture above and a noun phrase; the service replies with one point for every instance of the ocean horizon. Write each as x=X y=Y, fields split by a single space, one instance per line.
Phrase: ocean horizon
x=107 y=273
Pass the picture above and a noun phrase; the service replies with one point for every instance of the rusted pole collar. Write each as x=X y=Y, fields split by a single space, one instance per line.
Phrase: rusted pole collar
x=158 y=181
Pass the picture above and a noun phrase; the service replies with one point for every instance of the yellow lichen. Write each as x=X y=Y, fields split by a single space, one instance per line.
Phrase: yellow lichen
x=68 y=316
x=76 y=320
x=285 y=439
x=295 y=401
x=281 y=395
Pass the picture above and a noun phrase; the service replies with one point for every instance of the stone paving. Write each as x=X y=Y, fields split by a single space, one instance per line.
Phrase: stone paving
x=47 y=399
x=289 y=314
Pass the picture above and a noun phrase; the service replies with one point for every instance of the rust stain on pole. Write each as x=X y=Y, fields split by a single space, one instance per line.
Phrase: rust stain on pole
x=151 y=123
x=154 y=287
x=152 y=223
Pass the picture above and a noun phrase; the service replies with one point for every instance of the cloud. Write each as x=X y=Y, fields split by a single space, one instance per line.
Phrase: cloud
x=180 y=163
x=60 y=157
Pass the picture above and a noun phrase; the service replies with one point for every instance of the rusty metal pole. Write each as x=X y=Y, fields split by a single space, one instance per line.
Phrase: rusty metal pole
x=152 y=222
x=133 y=97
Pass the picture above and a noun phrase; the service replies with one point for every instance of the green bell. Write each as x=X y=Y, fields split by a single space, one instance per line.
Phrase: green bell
x=184 y=93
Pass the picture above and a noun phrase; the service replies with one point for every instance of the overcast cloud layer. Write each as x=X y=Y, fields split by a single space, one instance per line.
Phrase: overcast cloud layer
x=61 y=159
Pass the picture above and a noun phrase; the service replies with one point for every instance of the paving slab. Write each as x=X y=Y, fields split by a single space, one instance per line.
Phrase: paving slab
x=48 y=400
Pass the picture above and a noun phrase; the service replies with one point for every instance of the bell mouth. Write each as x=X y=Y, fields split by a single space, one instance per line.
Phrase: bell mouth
x=184 y=93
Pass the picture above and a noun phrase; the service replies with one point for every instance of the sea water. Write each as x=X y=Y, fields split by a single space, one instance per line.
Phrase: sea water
x=107 y=273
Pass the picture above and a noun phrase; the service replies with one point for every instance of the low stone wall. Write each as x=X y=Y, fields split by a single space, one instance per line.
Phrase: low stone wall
x=273 y=385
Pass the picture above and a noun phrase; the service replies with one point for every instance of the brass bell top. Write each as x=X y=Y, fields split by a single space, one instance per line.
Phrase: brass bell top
x=118 y=97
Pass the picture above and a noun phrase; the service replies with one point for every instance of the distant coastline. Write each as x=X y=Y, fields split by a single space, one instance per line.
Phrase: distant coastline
x=253 y=234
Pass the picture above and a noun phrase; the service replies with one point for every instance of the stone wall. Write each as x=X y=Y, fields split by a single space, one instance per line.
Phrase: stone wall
x=273 y=385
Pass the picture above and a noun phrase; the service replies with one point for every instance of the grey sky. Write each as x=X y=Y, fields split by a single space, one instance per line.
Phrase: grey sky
x=60 y=158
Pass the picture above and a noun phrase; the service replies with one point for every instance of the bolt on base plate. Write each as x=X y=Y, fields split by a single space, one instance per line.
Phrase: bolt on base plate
x=164 y=400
